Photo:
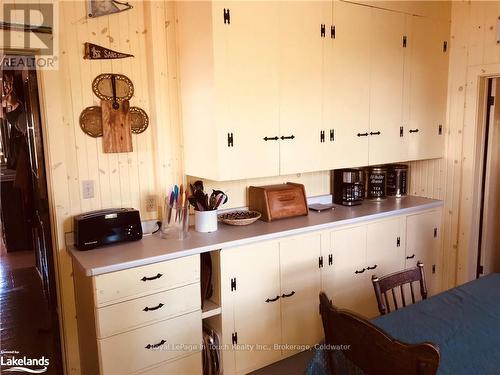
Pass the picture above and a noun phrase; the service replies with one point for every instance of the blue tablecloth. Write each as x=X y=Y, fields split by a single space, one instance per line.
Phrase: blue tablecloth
x=464 y=322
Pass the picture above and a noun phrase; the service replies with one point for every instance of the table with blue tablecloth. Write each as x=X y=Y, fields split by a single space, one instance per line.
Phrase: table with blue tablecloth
x=464 y=322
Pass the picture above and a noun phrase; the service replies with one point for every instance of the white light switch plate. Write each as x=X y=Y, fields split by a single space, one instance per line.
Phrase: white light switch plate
x=88 y=189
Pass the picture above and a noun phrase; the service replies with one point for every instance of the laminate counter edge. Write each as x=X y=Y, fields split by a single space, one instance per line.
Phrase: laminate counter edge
x=153 y=248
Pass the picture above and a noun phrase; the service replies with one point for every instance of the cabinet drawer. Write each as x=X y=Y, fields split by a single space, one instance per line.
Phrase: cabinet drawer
x=147 y=346
x=141 y=281
x=131 y=314
x=191 y=365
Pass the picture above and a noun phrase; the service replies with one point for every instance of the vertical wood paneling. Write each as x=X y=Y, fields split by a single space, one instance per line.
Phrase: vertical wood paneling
x=119 y=179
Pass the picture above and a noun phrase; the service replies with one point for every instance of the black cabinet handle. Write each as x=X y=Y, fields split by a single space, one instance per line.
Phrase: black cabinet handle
x=411 y=256
x=374 y=133
x=413 y=130
x=284 y=295
x=272 y=299
x=288 y=137
x=371 y=268
x=270 y=138
x=362 y=134
x=363 y=270
x=151 y=278
x=153 y=308
x=152 y=346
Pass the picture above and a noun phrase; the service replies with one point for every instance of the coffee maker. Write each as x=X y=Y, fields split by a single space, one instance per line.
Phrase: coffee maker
x=348 y=186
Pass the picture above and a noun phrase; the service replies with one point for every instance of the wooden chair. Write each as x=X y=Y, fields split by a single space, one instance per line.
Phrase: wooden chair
x=396 y=280
x=369 y=350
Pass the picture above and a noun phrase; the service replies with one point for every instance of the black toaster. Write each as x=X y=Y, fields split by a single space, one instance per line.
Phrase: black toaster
x=105 y=227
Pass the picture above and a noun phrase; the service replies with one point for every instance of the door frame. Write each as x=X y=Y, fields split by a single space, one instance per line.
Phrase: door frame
x=474 y=128
x=50 y=193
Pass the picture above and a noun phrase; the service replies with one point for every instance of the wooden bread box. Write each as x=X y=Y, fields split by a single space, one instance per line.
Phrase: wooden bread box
x=278 y=201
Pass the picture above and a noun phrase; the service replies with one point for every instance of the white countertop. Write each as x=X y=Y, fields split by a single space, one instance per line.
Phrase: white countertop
x=153 y=248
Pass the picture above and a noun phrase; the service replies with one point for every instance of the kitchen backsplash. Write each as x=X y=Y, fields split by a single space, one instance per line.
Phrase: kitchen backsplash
x=316 y=183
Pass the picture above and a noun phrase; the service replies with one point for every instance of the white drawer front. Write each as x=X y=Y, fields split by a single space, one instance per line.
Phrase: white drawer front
x=140 y=281
x=131 y=314
x=128 y=352
x=191 y=365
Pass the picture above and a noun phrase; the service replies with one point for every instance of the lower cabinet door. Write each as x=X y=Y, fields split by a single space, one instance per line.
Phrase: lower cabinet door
x=385 y=251
x=300 y=286
x=144 y=347
x=254 y=304
x=190 y=365
x=350 y=286
x=423 y=244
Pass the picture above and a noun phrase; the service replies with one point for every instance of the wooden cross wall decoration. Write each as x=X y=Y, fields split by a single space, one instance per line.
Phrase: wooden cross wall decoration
x=114 y=120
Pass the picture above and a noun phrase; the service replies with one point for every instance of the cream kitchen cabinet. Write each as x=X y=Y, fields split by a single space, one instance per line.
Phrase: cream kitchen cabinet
x=301 y=71
x=229 y=88
x=269 y=297
x=426 y=85
x=247 y=92
x=137 y=319
x=423 y=243
x=300 y=285
x=354 y=254
x=251 y=315
x=315 y=86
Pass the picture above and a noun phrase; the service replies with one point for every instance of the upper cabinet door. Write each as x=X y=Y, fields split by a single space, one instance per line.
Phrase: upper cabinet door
x=249 y=87
x=386 y=85
x=347 y=91
x=428 y=67
x=303 y=32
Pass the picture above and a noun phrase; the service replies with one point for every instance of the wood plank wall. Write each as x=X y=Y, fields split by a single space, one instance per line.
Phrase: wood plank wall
x=120 y=180
x=473 y=48
x=148 y=32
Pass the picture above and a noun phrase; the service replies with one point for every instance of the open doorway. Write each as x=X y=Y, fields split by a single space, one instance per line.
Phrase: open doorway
x=29 y=324
x=489 y=219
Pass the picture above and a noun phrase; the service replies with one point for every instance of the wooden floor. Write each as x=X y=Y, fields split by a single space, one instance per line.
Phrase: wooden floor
x=24 y=315
x=295 y=365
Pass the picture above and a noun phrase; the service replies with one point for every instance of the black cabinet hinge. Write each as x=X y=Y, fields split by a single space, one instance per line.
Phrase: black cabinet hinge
x=401 y=131
x=435 y=232
x=227 y=16
x=440 y=129
x=330 y=259
x=332 y=135
x=234 y=338
x=320 y=262
x=398 y=242
x=322 y=30
x=491 y=100
x=445 y=46
x=233 y=284
x=404 y=41
x=433 y=268
x=322 y=136
x=230 y=140
x=332 y=32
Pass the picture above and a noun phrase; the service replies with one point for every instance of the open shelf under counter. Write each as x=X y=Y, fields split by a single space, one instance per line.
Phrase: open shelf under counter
x=210 y=309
